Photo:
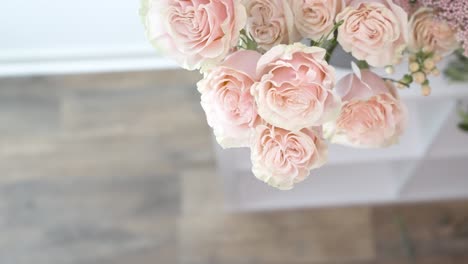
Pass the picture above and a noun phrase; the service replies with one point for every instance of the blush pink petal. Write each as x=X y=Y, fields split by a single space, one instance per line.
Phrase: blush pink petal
x=270 y=22
x=372 y=115
x=352 y=87
x=426 y=30
x=226 y=99
x=315 y=18
x=296 y=87
x=197 y=34
x=244 y=61
x=374 y=31
x=283 y=158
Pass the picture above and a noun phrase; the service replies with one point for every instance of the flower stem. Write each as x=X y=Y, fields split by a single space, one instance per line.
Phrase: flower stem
x=329 y=44
x=330 y=47
x=396 y=81
x=333 y=31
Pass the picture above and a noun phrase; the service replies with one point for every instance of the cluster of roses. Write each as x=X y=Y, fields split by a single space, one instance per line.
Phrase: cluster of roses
x=264 y=89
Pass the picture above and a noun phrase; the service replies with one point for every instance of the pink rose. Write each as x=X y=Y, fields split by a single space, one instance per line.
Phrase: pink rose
x=225 y=97
x=270 y=22
x=195 y=32
x=374 y=31
x=315 y=18
x=428 y=31
x=295 y=90
x=372 y=115
x=282 y=158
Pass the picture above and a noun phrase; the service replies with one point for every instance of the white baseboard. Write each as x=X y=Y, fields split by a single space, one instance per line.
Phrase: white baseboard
x=82 y=60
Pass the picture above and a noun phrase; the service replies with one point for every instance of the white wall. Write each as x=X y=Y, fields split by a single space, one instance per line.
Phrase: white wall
x=54 y=26
x=36 y=32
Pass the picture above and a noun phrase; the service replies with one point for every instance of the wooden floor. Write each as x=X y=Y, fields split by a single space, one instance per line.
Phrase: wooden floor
x=118 y=168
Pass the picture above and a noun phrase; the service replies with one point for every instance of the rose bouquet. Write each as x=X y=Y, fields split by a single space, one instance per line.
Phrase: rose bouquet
x=264 y=89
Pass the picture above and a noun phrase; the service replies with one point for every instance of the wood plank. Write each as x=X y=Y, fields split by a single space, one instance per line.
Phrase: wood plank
x=311 y=236
x=435 y=230
x=201 y=192
x=26 y=114
x=426 y=260
x=80 y=219
x=109 y=81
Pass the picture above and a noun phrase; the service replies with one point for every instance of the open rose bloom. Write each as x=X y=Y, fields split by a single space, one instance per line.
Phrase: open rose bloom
x=282 y=158
x=374 y=31
x=267 y=83
x=315 y=18
x=372 y=115
x=195 y=33
x=427 y=31
x=226 y=99
x=270 y=22
x=296 y=87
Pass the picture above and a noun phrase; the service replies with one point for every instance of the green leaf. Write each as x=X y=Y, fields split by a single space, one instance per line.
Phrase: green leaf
x=362 y=64
x=463 y=126
x=457 y=69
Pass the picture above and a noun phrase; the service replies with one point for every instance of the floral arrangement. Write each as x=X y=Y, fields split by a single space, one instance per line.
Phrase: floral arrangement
x=264 y=89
